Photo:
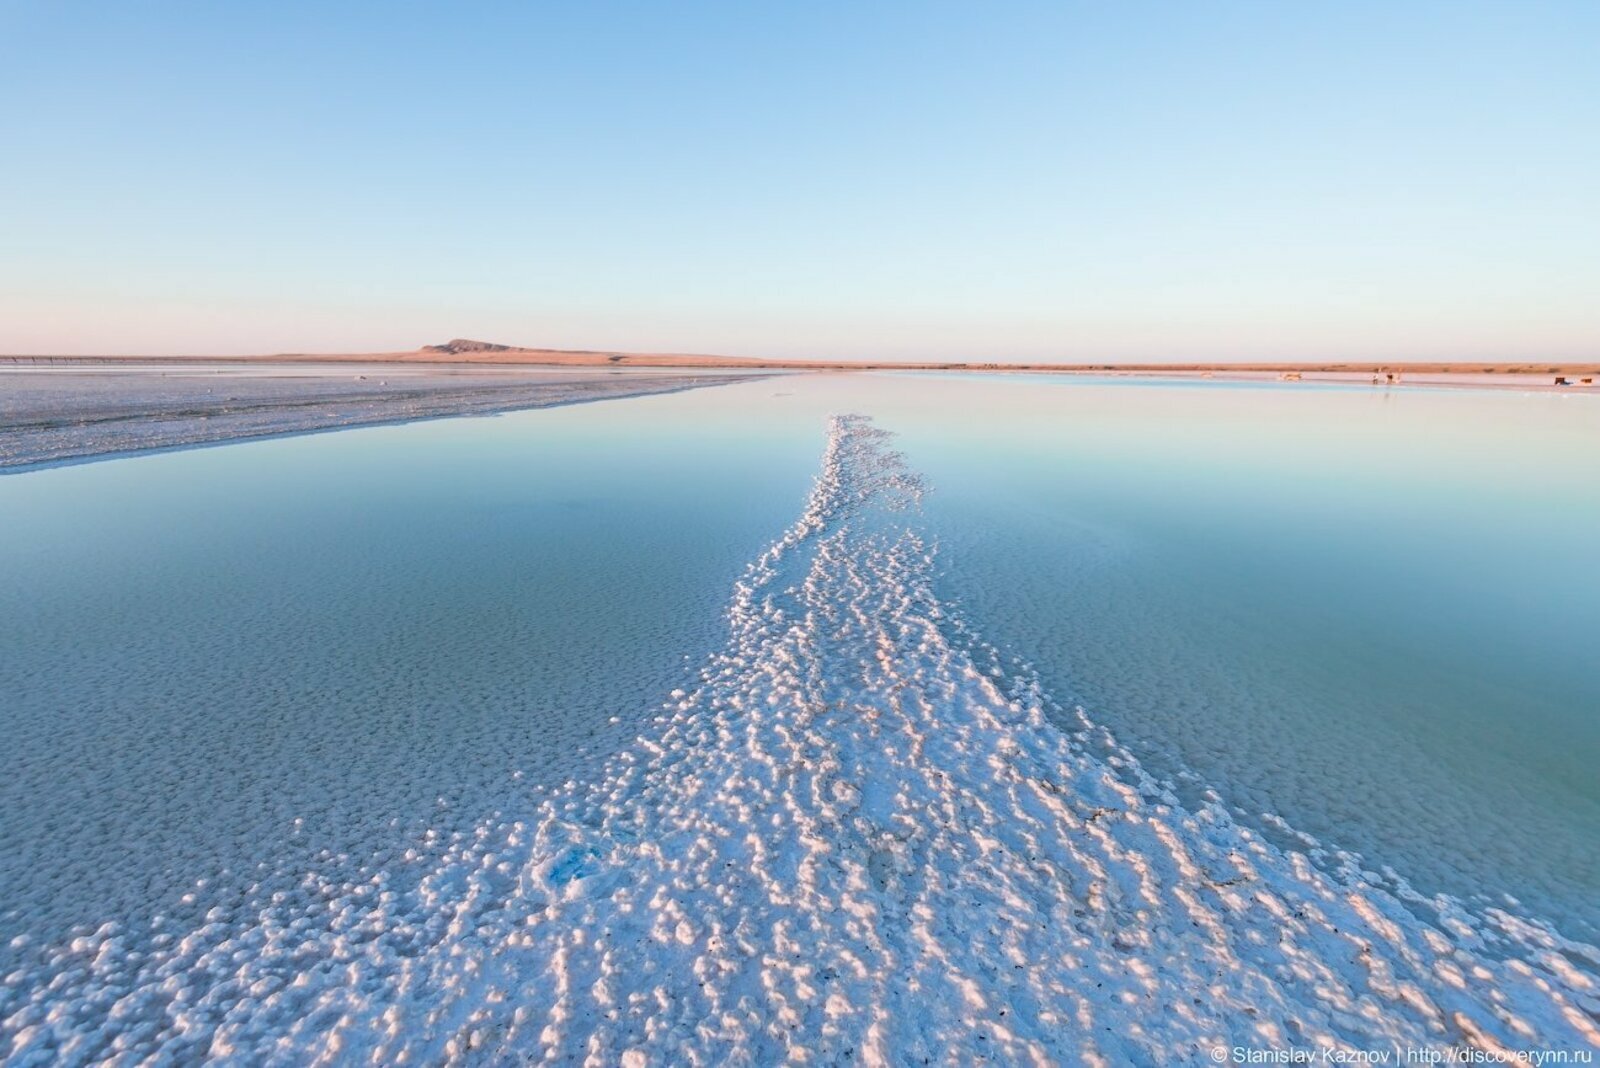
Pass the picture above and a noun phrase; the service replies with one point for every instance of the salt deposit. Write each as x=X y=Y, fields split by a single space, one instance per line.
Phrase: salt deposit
x=859 y=834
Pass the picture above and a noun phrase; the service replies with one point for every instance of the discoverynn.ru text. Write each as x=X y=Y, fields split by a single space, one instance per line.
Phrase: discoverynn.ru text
x=1397 y=1055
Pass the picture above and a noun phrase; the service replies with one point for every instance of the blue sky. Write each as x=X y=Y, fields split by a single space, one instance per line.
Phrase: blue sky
x=1053 y=181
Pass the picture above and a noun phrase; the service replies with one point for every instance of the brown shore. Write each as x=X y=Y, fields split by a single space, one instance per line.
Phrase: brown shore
x=475 y=352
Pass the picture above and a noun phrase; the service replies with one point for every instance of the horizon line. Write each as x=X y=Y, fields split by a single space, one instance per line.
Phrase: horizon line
x=491 y=353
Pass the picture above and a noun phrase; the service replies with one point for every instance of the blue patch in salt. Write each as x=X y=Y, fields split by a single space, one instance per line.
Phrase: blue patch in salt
x=576 y=863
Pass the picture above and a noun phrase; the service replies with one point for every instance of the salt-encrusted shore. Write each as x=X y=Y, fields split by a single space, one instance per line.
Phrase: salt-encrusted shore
x=76 y=413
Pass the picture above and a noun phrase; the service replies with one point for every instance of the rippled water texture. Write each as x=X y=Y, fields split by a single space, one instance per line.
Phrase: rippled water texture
x=356 y=744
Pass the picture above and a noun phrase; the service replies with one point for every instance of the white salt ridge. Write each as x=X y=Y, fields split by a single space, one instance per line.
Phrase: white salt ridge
x=857 y=838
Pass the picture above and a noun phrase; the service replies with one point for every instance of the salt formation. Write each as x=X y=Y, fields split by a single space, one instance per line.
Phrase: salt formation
x=861 y=835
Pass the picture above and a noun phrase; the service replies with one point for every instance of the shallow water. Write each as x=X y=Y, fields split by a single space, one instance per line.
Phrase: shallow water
x=1373 y=613
x=215 y=658
x=1369 y=614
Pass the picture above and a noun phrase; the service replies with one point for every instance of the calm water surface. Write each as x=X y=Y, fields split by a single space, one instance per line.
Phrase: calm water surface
x=1373 y=614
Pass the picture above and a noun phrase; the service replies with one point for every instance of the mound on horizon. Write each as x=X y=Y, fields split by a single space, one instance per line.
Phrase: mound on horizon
x=461 y=344
x=468 y=350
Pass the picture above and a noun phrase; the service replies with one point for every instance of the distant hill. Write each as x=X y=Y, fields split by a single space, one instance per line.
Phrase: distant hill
x=467 y=350
x=461 y=344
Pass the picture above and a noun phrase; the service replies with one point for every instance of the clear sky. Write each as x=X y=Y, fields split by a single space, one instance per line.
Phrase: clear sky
x=1052 y=181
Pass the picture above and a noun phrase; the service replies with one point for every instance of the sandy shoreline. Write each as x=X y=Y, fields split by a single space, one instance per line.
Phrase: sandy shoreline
x=462 y=355
x=1522 y=381
x=63 y=415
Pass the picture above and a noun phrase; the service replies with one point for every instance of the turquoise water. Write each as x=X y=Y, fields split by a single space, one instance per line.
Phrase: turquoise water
x=296 y=652
x=1370 y=614
x=1373 y=614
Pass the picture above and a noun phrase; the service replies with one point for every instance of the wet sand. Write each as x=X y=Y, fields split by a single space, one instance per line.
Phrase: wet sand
x=75 y=413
